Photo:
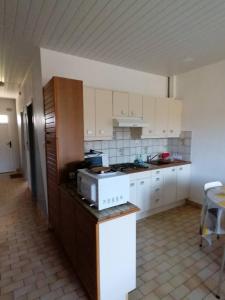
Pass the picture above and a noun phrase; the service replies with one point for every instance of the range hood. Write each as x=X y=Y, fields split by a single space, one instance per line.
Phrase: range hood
x=129 y=122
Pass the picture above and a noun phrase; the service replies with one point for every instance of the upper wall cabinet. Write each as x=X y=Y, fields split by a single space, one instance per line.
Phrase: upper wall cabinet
x=103 y=105
x=120 y=104
x=149 y=116
x=161 y=117
x=89 y=112
x=97 y=114
x=135 y=105
x=174 y=118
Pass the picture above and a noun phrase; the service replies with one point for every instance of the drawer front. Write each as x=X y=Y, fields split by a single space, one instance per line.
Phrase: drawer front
x=157 y=173
x=157 y=181
x=156 y=202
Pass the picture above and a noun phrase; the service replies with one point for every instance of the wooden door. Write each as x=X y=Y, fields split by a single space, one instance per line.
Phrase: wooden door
x=103 y=102
x=89 y=113
x=149 y=116
x=120 y=104
x=174 y=118
x=161 y=117
x=135 y=105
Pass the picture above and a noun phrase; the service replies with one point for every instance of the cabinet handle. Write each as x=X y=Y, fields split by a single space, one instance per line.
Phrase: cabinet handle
x=89 y=132
x=173 y=170
x=157 y=172
x=171 y=130
x=156 y=190
x=131 y=184
x=150 y=131
x=101 y=131
x=157 y=179
x=164 y=131
x=157 y=200
x=142 y=182
x=181 y=169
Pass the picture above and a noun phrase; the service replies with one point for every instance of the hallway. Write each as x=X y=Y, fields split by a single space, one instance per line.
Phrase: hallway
x=31 y=263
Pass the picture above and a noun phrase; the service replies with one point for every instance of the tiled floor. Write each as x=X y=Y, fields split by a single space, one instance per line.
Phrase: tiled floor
x=32 y=266
x=170 y=263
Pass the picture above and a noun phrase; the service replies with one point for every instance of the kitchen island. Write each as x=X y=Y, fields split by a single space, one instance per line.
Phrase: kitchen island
x=100 y=244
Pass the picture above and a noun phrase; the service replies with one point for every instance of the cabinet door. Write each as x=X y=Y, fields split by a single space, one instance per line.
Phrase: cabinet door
x=149 y=116
x=135 y=105
x=170 y=185
x=144 y=194
x=183 y=182
x=103 y=101
x=161 y=117
x=68 y=225
x=174 y=118
x=89 y=112
x=120 y=104
x=133 y=192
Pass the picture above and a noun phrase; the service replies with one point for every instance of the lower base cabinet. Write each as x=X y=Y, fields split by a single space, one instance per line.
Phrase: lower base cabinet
x=92 y=247
x=151 y=190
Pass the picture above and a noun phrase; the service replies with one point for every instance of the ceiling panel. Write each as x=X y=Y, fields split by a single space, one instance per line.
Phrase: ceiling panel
x=157 y=36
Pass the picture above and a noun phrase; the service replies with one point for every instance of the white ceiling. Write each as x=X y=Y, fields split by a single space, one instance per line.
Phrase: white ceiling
x=158 y=36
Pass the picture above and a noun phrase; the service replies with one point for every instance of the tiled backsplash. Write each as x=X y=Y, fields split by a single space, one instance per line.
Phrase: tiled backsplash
x=123 y=148
x=181 y=145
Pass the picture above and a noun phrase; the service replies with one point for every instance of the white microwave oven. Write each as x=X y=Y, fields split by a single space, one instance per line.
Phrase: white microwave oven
x=103 y=190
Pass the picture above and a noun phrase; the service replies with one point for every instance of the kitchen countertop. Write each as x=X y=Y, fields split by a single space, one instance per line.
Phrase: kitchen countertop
x=102 y=215
x=156 y=167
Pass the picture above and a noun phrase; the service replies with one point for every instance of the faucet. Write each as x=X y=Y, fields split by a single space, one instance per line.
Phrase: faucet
x=150 y=158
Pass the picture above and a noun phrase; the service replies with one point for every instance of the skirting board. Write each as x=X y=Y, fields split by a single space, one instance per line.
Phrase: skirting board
x=192 y=203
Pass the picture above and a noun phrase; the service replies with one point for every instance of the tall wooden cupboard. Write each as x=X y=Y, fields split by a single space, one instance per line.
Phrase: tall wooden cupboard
x=64 y=136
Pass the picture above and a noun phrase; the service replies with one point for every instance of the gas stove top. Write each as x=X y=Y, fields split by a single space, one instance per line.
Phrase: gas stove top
x=126 y=166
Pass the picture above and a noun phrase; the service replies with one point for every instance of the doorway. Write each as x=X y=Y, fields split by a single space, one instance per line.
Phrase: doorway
x=9 y=147
x=31 y=148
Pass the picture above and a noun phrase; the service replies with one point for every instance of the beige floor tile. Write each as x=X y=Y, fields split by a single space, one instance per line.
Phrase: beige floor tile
x=163 y=290
x=180 y=292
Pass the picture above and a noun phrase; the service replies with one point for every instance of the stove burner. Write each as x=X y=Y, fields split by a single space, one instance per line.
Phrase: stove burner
x=125 y=166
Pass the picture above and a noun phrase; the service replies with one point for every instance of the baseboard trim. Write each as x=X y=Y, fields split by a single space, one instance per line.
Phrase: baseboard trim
x=192 y=203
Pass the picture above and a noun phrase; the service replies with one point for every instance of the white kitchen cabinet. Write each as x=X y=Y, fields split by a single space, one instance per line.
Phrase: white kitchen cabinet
x=183 y=181
x=97 y=114
x=174 y=118
x=103 y=105
x=144 y=194
x=120 y=104
x=89 y=112
x=135 y=105
x=161 y=117
x=149 y=116
x=170 y=185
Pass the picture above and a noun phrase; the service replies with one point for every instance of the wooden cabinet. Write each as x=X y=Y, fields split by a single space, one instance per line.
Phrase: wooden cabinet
x=135 y=105
x=174 y=118
x=120 y=104
x=170 y=185
x=161 y=117
x=97 y=114
x=89 y=112
x=63 y=112
x=149 y=116
x=103 y=106
x=183 y=180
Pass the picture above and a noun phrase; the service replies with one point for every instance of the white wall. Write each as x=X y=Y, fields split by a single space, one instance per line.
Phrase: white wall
x=203 y=94
x=102 y=75
x=31 y=91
